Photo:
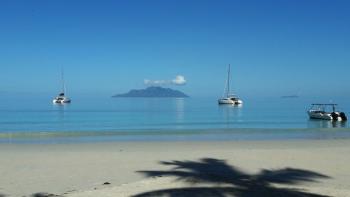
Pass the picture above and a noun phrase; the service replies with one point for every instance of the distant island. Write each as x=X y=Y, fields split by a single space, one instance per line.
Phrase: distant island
x=290 y=96
x=154 y=92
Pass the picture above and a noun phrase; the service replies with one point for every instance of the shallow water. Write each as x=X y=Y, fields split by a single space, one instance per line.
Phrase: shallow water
x=104 y=119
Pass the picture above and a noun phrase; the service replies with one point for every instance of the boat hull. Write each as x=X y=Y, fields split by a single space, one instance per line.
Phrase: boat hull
x=320 y=115
x=61 y=101
x=230 y=101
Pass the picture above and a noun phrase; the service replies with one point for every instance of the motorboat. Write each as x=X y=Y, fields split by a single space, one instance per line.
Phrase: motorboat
x=229 y=98
x=61 y=98
x=319 y=111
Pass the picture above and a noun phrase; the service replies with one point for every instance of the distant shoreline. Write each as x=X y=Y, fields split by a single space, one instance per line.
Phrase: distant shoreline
x=290 y=96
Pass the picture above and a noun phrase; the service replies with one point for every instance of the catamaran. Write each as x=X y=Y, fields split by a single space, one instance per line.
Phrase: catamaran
x=229 y=98
x=318 y=111
x=61 y=98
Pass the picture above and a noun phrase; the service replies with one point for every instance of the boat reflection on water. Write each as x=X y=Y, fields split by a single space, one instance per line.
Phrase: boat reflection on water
x=180 y=112
x=314 y=123
x=231 y=114
x=61 y=111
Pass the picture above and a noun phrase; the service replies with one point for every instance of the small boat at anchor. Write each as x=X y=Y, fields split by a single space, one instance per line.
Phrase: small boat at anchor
x=319 y=111
x=61 y=98
x=228 y=97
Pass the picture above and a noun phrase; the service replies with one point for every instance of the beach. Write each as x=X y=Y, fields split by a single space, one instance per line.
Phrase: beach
x=175 y=98
x=113 y=168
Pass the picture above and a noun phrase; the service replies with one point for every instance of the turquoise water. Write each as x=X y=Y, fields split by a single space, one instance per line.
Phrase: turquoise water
x=104 y=119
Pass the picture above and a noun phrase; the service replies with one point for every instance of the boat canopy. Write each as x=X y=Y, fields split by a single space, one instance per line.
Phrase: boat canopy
x=322 y=106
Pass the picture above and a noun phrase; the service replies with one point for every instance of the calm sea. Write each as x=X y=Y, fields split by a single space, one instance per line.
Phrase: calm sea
x=105 y=119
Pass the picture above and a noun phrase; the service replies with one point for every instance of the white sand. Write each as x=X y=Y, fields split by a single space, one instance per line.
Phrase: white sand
x=79 y=170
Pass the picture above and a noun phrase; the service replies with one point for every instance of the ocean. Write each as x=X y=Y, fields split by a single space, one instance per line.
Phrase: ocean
x=110 y=119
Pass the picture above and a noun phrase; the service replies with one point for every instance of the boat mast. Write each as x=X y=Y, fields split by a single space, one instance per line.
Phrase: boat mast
x=228 y=80
x=63 y=84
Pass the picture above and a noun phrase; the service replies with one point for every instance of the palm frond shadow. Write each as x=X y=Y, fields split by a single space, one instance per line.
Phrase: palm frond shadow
x=234 y=182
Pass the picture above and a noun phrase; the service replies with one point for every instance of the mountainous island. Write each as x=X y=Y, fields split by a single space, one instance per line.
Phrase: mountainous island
x=154 y=92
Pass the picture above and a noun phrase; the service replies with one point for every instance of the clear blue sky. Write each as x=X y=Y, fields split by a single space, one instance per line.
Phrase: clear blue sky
x=106 y=47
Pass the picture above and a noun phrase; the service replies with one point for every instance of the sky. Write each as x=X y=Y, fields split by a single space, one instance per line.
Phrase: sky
x=275 y=48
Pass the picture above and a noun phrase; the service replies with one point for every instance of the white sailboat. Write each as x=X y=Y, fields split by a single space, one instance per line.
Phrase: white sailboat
x=61 y=98
x=229 y=98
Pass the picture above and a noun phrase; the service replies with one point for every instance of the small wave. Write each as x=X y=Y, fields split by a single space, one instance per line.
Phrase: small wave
x=193 y=134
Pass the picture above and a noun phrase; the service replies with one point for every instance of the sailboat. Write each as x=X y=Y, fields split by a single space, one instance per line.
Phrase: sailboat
x=61 y=98
x=229 y=98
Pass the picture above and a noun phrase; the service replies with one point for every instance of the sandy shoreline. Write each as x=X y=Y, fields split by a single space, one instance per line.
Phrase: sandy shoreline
x=76 y=170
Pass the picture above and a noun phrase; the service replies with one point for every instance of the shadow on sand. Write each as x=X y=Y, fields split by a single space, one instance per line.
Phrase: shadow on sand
x=44 y=195
x=233 y=181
